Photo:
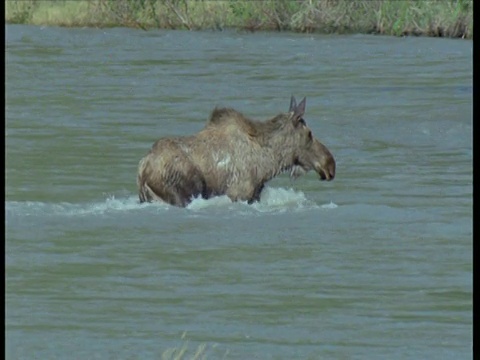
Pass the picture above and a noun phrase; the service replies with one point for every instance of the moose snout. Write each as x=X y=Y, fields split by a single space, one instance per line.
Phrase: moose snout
x=326 y=171
x=325 y=175
x=330 y=175
x=325 y=162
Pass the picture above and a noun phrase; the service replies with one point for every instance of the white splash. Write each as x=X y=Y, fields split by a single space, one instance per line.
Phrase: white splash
x=282 y=199
x=273 y=200
x=218 y=201
x=330 y=205
x=109 y=205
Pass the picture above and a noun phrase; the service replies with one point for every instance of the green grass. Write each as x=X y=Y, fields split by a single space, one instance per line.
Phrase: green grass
x=442 y=18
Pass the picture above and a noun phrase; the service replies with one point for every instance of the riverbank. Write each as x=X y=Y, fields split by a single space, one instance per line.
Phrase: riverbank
x=440 y=18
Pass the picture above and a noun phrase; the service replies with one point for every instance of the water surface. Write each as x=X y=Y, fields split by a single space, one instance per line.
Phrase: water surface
x=375 y=264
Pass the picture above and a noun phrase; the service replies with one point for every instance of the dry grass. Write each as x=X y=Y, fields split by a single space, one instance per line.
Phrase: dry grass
x=443 y=18
x=183 y=352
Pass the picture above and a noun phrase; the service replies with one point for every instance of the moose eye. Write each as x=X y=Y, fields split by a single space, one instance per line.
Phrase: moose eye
x=302 y=121
x=310 y=136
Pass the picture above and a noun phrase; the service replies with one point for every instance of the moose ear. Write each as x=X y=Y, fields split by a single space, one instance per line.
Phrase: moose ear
x=299 y=110
x=293 y=104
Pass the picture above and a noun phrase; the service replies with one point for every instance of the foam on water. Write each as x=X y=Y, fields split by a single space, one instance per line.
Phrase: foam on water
x=273 y=200
x=110 y=204
x=283 y=199
x=330 y=205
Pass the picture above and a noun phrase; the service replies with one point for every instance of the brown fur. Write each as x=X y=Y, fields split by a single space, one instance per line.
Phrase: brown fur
x=232 y=155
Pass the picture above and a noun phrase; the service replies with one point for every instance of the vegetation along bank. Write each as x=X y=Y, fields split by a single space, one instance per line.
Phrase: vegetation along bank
x=439 y=18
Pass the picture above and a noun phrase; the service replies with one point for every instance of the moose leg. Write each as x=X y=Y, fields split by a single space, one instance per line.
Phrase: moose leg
x=179 y=193
x=191 y=185
x=256 y=194
x=175 y=183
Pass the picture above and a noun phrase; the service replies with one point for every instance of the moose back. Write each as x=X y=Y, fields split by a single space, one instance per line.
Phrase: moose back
x=234 y=156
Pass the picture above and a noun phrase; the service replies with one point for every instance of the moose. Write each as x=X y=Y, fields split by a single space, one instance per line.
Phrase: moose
x=232 y=155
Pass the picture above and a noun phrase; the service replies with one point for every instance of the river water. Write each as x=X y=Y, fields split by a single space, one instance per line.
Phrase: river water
x=376 y=264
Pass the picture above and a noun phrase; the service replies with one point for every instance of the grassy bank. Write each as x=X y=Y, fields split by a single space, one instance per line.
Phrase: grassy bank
x=442 y=18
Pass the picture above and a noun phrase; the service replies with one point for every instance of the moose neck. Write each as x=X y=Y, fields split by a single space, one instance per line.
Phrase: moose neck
x=278 y=151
